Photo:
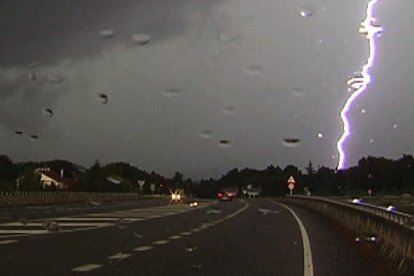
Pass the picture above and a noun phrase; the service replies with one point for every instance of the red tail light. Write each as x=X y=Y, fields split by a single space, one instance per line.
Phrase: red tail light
x=230 y=194
x=220 y=194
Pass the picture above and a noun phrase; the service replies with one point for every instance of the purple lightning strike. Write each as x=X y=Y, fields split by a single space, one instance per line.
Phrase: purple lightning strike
x=358 y=84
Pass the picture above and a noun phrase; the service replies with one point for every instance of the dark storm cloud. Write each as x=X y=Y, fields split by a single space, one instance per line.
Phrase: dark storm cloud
x=49 y=30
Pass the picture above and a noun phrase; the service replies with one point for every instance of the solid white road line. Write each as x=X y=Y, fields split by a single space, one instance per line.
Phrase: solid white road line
x=86 y=268
x=8 y=241
x=307 y=254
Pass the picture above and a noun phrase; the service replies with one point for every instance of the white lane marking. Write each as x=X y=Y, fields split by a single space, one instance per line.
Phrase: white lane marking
x=23 y=231
x=89 y=219
x=143 y=248
x=238 y=211
x=307 y=254
x=161 y=242
x=8 y=241
x=185 y=233
x=119 y=256
x=86 y=268
x=175 y=237
x=195 y=230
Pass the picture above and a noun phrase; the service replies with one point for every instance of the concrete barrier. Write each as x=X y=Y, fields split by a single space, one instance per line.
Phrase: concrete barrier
x=394 y=231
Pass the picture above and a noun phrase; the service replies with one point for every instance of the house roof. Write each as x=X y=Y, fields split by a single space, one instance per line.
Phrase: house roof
x=55 y=176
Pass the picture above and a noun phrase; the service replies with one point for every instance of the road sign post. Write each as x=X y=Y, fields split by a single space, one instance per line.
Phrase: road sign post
x=291 y=184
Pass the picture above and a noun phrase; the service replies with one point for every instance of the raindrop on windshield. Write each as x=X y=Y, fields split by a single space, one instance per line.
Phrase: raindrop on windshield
x=206 y=133
x=55 y=79
x=33 y=137
x=102 y=98
x=172 y=92
x=306 y=11
x=32 y=76
x=320 y=135
x=363 y=111
x=291 y=142
x=23 y=221
x=138 y=235
x=225 y=37
x=229 y=110
x=190 y=248
x=253 y=69
x=48 y=112
x=107 y=33
x=141 y=39
x=18 y=132
x=224 y=143
x=371 y=140
x=121 y=223
x=298 y=91
x=51 y=225
x=395 y=126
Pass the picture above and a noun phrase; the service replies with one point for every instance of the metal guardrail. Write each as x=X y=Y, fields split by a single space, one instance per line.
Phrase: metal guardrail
x=394 y=216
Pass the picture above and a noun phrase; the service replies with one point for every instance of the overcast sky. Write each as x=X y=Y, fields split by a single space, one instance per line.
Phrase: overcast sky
x=247 y=73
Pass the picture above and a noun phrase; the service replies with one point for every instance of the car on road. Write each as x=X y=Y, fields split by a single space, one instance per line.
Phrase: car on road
x=225 y=196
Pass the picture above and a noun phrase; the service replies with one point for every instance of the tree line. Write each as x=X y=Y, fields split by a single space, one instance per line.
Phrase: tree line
x=376 y=174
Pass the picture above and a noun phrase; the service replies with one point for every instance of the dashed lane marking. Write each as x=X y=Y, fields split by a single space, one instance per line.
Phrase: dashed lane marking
x=142 y=248
x=86 y=267
x=119 y=256
x=160 y=242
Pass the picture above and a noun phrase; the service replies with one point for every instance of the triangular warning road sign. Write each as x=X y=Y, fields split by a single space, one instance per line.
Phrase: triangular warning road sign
x=291 y=180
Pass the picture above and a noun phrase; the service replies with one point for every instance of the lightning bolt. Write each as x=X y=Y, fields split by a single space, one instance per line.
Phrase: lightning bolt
x=357 y=85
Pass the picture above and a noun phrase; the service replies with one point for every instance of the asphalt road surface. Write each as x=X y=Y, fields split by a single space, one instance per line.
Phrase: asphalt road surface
x=243 y=237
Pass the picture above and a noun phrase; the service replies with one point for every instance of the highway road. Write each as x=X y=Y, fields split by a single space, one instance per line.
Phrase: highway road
x=243 y=237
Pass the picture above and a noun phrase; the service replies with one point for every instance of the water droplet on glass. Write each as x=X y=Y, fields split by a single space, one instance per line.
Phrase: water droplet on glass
x=95 y=202
x=102 y=98
x=395 y=126
x=51 y=225
x=355 y=82
x=333 y=157
x=172 y=92
x=34 y=65
x=115 y=179
x=33 y=137
x=214 y=211
x=121 y=223
x=363 y=111
x=107 y=33
x=224 y=143
x=141 y=39
x=291 y=142
x=206 y=133
x=32 y=76
x=306 y=11
x=298 y=91
x=228 y=110
x=371 y=140
x=23 y=221
x=225 y=37
x=253 y=69
x=138 y=235
x=190 y=248
x=320 y=135
x=18 y=132
x=196 y=266
x=48 y=112
x=320 y=41
x=55 y=79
